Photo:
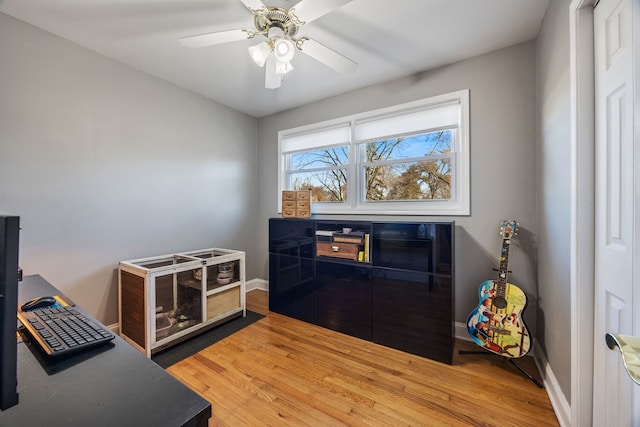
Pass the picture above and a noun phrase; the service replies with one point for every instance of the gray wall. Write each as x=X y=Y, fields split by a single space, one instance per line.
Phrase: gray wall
x=554 y=194
x=104 y=163
x=503 y=168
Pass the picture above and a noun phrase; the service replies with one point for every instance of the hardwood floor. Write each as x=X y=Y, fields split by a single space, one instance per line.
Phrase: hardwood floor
x=280 y=371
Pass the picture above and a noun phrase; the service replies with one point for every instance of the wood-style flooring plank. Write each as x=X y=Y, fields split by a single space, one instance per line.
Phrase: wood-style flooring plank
x=283 y=372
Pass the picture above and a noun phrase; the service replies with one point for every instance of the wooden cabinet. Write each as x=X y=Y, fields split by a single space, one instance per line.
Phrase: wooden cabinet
x=388 y=282
x=166 y=299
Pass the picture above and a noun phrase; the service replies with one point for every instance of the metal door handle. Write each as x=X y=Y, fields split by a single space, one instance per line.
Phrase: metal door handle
x=630 y=350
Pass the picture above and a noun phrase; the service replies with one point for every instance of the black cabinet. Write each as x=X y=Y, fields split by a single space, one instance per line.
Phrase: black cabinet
x=293 y=294
x=394 y=285
x=412 y=312
x=402 y=246
x=342 y=298
x=291 y=268
x=426 y=247
x=413 y=288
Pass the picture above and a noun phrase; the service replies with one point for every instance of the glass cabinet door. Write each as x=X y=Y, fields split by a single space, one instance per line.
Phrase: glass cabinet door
x=178 y=302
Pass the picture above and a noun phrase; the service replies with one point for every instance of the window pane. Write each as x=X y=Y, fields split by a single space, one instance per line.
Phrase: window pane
x=325 y=186
x=327 y=157
x=425 y=144
x=425 y=180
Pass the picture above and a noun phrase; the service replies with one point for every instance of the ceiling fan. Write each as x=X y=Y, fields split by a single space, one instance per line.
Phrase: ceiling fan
x=280 y=27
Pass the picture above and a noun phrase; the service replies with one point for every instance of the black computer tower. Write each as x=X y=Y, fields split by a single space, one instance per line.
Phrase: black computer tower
x=9 y=238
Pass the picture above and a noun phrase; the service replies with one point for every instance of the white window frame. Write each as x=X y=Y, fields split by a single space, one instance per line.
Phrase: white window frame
x=459 y=204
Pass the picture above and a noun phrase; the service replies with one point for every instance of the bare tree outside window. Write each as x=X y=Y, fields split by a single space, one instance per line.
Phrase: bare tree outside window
x=416 y=167
x=323 y=171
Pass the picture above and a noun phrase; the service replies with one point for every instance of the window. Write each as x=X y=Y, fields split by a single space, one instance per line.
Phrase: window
x=416 y=167
x=411 y=159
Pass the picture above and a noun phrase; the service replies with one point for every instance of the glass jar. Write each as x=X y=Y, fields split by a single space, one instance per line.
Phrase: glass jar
x=225 y=273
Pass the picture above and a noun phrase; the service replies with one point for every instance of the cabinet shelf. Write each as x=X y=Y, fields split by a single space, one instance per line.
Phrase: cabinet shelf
x=343 y=261
x=212 y=290
x=343 y=240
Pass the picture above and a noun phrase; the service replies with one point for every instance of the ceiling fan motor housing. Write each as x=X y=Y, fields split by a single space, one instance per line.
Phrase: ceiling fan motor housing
x=276 y=17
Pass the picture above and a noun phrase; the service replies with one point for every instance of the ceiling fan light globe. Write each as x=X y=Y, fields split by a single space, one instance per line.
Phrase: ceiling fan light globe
x=259 y=53
x=283 y=67
x=283 y=50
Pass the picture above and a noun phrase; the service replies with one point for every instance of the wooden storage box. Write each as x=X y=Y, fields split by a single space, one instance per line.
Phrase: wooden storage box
x=296 y=204
x=289 y=195
x=337 y=250
x=355 y=238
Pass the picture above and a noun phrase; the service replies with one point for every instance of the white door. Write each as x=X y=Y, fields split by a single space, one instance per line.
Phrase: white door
x=613 y=394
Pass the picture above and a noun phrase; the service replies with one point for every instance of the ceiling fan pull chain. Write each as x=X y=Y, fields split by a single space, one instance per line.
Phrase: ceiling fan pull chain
x=299 y=42
x=250 y=34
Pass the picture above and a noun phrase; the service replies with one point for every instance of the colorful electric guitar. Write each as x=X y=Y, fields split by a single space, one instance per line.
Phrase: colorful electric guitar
x=496 y=324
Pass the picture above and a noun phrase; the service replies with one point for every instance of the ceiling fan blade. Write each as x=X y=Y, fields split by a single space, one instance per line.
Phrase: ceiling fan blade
x=253 y=4
x=272 y=80
x=328 y=57
x=213 y=38
x=310 y=10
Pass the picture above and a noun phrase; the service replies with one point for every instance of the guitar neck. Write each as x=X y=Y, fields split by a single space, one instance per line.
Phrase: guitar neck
x=502 y=272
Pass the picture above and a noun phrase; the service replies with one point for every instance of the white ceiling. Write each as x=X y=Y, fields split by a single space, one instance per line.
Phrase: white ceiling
x=388 y=40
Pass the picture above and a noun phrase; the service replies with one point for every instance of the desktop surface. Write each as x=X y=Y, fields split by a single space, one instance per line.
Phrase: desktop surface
x=108 y=385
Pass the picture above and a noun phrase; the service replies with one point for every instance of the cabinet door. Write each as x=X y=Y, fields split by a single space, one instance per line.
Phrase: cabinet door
x=413 y=312
x=426 y=247
x=342 y=298
x=292 y=237
x=291 y=286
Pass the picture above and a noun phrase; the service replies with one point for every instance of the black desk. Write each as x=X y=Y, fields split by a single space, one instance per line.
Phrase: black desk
x=113 y=385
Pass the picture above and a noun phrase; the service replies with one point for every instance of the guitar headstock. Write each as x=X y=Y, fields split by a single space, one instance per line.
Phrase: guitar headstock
x=508 y=229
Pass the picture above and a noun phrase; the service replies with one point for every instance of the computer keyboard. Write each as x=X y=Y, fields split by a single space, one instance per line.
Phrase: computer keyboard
x=61 y=330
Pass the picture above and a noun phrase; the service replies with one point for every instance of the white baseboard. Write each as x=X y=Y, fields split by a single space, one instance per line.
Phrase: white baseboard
x=561 y=406
x=254 y=284
x=461 y=332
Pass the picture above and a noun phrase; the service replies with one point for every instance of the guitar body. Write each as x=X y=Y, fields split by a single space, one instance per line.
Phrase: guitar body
x=500 y=330
x=496 y=324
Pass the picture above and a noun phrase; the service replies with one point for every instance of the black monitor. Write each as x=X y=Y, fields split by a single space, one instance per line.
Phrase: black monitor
x=9 y=238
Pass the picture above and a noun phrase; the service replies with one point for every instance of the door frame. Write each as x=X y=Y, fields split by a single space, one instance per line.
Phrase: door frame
x=582 y=100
